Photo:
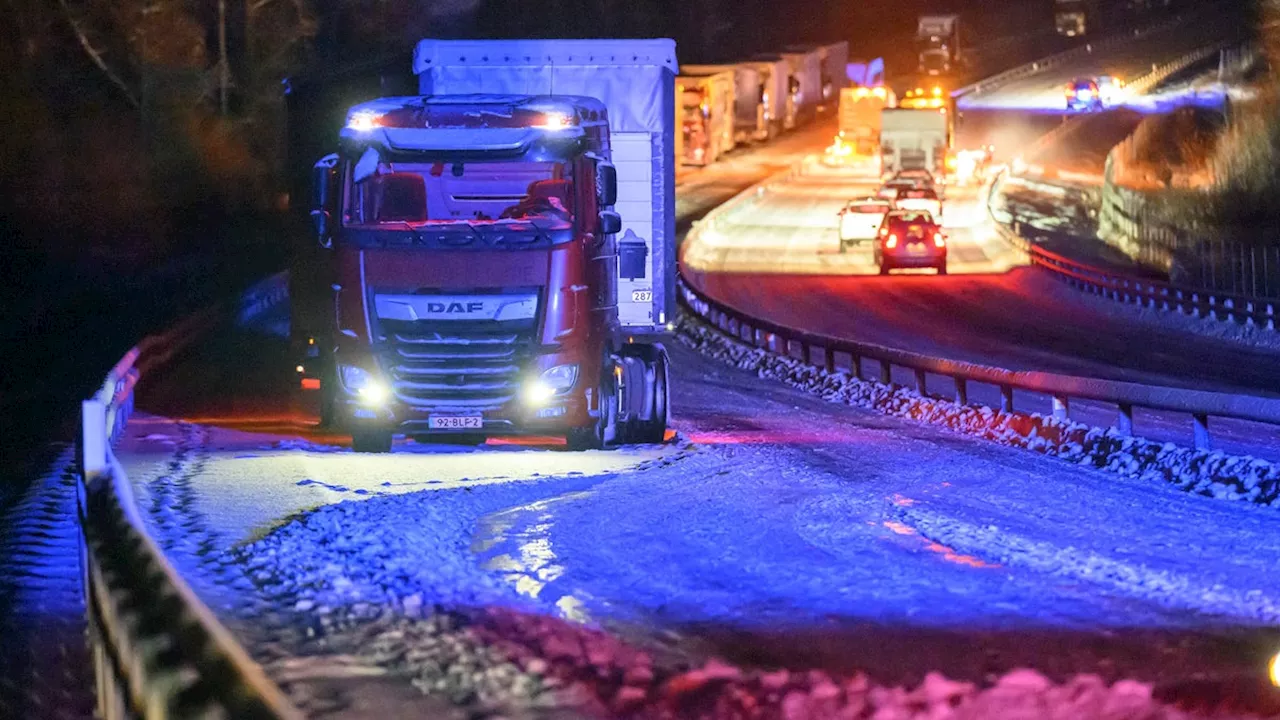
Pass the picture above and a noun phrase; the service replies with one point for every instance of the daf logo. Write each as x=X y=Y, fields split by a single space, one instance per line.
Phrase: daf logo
x=487 y=307
x=455 y=307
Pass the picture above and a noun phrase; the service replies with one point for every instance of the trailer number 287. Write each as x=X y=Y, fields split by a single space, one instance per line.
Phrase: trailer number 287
x=642 y=296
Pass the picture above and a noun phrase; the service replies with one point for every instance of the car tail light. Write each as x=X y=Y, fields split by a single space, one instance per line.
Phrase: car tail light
x=939 y=240
x=891 y=241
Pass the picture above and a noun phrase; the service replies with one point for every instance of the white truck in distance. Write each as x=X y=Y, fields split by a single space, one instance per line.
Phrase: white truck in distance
x=915 y=139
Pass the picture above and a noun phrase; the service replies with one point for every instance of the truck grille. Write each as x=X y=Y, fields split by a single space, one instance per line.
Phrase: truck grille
x=450 y=366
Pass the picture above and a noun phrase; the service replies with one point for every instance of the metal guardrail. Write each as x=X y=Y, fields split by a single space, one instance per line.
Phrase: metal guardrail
x=1000 y=79
x=158 y=651
x=1139 y=86
x=1251 y=311
x=1199 y=404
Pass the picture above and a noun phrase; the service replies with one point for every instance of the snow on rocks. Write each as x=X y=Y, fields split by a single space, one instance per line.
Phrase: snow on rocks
x=604 y=677
x=1213 y=474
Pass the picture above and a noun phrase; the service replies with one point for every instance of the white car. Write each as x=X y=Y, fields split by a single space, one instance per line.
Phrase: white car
x=1111 y=89
x=889 y=191
x=860 y=220
x=925 y=199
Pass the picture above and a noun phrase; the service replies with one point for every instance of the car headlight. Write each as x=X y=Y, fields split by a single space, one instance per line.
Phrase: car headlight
x=553 y=381
x=369 y=389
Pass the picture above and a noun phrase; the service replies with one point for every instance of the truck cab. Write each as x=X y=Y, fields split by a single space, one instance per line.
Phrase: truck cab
x=474 y=255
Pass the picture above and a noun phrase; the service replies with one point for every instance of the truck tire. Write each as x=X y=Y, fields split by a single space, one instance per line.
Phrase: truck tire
x=371 y=441
x=942 y=268
x=884 y=269
x=592 y=437
x=652 y=431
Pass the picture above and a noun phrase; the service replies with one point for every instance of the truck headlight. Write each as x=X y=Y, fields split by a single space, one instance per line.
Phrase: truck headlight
x=553 y=381
x=369 y=389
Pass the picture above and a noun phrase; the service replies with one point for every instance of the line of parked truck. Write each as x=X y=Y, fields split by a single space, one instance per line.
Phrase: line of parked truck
x=719 y=107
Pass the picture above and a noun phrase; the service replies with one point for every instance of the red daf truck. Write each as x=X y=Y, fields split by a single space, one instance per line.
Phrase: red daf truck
x=497 y=252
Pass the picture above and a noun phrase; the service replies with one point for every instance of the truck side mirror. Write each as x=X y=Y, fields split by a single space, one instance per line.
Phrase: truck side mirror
x=324 y=177
x=320 y=217
x=609 y=223
x=607 y=184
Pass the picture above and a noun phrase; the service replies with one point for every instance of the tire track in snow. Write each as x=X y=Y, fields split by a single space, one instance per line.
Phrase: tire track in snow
x=1170 y=588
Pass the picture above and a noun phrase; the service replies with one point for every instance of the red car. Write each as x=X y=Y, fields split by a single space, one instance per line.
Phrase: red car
x=911 y=239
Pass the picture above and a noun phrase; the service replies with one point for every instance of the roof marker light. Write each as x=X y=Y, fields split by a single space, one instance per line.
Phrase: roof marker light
x=364 y=120
x=555 y=121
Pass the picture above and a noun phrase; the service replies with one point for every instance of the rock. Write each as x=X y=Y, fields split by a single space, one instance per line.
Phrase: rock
x=774 y=681
x=628 y=699
x=640 y=675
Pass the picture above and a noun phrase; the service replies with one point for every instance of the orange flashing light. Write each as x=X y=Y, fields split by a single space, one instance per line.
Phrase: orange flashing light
x=892 y=241
x=310 y=383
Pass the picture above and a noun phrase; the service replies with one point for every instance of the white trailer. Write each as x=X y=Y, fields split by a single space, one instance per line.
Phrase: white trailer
x=835 y=61
x=912 y=139
x=635 y=79
x=749 y=111
x=806 y=73
x=704 y=114
x=779 y=111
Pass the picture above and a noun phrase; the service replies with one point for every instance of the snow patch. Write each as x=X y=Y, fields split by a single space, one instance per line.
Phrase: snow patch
x=1204 y=472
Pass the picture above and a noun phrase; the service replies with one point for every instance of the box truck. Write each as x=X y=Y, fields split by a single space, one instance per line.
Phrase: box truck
x=705 y=107
x=500 y=247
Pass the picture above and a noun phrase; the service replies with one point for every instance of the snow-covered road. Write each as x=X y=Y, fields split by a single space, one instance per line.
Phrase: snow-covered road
x=782 y=531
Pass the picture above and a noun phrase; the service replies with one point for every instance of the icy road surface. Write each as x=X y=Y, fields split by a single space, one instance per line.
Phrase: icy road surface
x=801 y=533
x=782 y=531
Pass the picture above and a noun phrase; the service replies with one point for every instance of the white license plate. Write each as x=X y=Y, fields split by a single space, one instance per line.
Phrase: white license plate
x=642 y=296
x=455 y=422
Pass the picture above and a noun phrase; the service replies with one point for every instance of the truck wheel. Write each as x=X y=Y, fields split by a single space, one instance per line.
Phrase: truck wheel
x=942 y=268
x=884 y=269
x=371 y=441
x=652 y=431
x=592 y=437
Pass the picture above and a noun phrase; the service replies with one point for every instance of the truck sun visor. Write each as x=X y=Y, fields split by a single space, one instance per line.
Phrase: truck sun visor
x=367 y=166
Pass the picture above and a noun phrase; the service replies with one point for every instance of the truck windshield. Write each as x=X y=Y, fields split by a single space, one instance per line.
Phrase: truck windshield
x=421 y=194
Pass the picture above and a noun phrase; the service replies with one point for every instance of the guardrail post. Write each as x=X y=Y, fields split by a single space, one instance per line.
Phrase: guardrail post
x=1006 y=399
x=921 y=382
x=829 y=359
x=806 y=355
x=886 y=373
x=1200 y=426
x=962 y=391
x=1124 y=422
x=1061 y=407
x=855 y=364
x=93 y=438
